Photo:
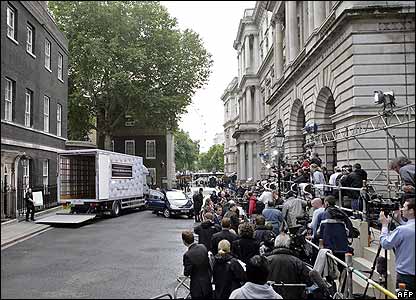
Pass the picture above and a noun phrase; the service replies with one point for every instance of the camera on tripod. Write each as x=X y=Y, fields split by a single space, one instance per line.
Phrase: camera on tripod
x=378 y=204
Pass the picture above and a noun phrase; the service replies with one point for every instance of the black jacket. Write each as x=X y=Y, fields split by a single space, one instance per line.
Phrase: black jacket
x=198 y=201
x=224 y=234
x=262 y=234
x=228 y=275
x=245 y=248
x=205 y=231
x=355 y=180
x=287 y=268
x=196 y=265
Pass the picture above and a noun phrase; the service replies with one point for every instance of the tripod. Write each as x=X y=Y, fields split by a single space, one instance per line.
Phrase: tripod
x=384 y=274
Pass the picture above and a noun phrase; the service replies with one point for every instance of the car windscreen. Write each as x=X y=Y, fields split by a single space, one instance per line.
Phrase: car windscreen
x=176 y=196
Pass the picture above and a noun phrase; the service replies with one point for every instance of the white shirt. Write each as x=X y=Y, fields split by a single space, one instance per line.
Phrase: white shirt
x=265 y=197
x=333 y=178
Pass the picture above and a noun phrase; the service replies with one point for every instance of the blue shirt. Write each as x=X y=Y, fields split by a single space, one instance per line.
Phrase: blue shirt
x=402 y=239
x=314 y=222
x=275 y=217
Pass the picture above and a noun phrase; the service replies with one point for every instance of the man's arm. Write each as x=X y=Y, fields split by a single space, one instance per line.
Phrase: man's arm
x=187 y=265
x=388 y=240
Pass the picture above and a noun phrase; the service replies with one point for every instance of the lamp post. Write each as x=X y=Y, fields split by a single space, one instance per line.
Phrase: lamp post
x=279 y=139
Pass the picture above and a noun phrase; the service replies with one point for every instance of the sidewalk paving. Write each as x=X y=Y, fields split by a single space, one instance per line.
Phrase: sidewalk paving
x=14 y=231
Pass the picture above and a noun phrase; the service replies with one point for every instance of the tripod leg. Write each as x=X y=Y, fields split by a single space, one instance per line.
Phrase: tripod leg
x=372 y=269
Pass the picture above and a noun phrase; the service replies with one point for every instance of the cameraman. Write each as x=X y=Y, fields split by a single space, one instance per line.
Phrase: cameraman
x=404 y=167
x=402 y=240
x=334 y=228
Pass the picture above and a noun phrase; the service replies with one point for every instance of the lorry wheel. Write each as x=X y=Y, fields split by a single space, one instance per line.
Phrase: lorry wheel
x=166 y=213
x=116 y=209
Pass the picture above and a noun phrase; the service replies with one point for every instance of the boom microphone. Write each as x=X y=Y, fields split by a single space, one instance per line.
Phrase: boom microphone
x=317 y=279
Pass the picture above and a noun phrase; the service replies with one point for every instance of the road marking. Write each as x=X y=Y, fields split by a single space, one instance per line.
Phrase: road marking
x=26 y=238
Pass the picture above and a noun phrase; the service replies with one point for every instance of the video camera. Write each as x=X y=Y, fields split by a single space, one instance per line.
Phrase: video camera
x=377 y=204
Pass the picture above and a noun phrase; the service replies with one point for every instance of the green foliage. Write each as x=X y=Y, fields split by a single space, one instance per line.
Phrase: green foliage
x=128 y=57
x=213 y=160
x=186 y=151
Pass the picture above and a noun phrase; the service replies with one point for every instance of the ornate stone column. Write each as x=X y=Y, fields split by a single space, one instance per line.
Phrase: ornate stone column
x=278 y=46
x=250 y=160
x=247 y=53
x=318 y=13
x=242 y=161
x=258 y=104
x=255 y=53
x=292 y=21
x=310 y=17
x=249 y=105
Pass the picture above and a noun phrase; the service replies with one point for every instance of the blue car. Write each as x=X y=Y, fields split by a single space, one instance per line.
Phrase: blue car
x=170 y=203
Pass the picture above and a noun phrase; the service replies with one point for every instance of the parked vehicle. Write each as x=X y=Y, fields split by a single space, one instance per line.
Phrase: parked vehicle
x=170 y=203
x=98 y=181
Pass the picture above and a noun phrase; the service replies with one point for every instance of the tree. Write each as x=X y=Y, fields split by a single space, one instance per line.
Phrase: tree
x=186 y=151
x=213 y=160
x=129 y=58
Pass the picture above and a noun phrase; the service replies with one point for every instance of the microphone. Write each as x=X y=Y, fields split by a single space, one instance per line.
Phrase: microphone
x=318 y=280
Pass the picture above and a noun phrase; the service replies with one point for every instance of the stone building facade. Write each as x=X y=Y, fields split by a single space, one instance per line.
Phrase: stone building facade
x=34 y=92
x=230 y=99
x=304 y=62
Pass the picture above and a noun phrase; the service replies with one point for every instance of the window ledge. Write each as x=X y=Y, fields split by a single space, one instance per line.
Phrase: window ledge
x=61 y=80
x=31 y=54
x=48 y=69
x=13 y=40
x=150 y=157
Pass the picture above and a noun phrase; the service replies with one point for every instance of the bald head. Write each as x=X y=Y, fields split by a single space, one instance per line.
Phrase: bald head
x=317 y=203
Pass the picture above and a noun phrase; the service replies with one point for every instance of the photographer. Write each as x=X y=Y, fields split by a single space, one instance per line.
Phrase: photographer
x=402 y=240
x=286 y=267
x=404 y=167
x=334 y=228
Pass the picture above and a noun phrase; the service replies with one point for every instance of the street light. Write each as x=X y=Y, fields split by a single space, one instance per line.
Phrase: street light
x=279 y=139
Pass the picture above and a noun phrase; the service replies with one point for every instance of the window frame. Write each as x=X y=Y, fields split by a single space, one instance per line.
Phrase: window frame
x=45 y=163
x=11 y=28
x=28 y=106
x=134 y=146
x=8 y=98
x=60 y=67
x=48 y=55
x=147 y=143
x=31 y=29
x=46 y=115
x=59 y=119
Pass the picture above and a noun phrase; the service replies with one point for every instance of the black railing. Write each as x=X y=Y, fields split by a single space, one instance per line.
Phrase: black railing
x=13 y=205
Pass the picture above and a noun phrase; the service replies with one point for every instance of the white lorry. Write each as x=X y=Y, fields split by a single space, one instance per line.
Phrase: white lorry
x=96 y=181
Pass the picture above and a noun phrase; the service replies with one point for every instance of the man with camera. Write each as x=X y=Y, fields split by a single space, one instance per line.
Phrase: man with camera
x=334 y=228
x=404 y=167
x=402 y=240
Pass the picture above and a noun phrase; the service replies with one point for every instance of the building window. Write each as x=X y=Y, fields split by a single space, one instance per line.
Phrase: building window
x=46 y=113
x=60 y=66
x=112 y=145
x=28 y=108
x=25 y=164
x=45 y=172
x=129 y=147
x=8 y=105
x=29 y=38
x=11 y=23
x=59 y=120
x=48 y=55
x=151 y=149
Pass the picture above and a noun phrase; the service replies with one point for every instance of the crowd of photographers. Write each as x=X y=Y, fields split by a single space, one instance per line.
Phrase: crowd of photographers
x=249 y=237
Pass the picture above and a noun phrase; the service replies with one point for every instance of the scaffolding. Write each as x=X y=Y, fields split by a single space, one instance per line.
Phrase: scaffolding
x=383 y=121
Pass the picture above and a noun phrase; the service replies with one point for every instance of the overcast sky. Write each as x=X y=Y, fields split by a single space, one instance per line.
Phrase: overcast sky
x=216 y=22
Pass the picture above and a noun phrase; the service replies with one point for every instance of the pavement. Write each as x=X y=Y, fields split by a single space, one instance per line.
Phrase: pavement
x=14 y=230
